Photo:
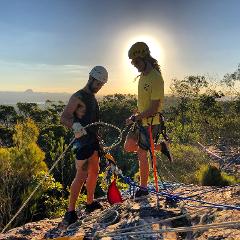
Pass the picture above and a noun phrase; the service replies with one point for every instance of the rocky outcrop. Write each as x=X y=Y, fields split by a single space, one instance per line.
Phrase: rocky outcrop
x=149 y=219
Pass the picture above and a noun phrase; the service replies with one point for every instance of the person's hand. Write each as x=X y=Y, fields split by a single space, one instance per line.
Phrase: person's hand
x=78 y=130
x=79 y=134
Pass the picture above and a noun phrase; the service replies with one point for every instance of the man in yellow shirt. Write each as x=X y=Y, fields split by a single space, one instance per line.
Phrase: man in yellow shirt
x=150 y=104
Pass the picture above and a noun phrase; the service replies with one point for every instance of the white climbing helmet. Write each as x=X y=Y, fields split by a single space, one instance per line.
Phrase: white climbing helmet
x=99 y=73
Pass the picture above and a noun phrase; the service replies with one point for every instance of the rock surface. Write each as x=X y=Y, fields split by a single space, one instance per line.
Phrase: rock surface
x=110 y=222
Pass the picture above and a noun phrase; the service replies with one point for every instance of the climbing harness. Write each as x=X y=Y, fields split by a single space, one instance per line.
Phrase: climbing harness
x=162 y=128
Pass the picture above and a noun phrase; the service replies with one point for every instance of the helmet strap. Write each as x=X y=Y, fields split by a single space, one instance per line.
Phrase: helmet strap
x=90 y=85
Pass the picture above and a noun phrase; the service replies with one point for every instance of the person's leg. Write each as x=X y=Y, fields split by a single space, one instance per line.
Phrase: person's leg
x=76 y=186
x=143 y=167
x=93 y=169
x=135 y=139
x=71 y=216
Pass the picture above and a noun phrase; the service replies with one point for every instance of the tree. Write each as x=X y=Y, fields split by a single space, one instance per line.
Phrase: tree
x=19 y=165
x=8 y=115
x=55 y=109
x=197 y=108
x=27 y=109
x=6 y=135
x=230 y=79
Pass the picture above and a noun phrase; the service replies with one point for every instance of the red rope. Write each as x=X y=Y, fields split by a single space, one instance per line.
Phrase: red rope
x=154 y=158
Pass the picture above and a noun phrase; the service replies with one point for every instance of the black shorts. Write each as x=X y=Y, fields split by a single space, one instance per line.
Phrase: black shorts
x=144 y=138
x=84 y=148
x=142 y=135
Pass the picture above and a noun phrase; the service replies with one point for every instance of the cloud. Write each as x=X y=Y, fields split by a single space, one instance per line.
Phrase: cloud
x=66 y=68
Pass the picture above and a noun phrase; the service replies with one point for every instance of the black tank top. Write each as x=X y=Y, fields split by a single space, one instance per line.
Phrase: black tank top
x=92 y=110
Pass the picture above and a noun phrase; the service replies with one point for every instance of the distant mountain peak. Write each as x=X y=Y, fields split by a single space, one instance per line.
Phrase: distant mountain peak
x=29 y=91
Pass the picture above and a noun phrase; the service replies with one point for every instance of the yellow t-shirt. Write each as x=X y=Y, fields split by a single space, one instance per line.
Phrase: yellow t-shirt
x=150 y=87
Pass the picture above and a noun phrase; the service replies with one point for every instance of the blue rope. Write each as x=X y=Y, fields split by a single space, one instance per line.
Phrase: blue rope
x=175 y=197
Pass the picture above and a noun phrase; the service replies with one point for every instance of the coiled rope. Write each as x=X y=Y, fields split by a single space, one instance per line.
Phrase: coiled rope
x=176 y=197
x=180 y=229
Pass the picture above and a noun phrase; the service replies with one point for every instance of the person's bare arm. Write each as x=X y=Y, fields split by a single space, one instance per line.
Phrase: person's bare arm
x=67 y=115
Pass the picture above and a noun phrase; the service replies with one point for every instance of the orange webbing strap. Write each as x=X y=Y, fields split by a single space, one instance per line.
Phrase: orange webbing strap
x=153 y=158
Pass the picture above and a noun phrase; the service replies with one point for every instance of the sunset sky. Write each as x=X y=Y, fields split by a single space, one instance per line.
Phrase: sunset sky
x=51 y=45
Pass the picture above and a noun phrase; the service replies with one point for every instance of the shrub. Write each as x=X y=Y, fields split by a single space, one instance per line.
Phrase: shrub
x=186 y=161
x=211 y=175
